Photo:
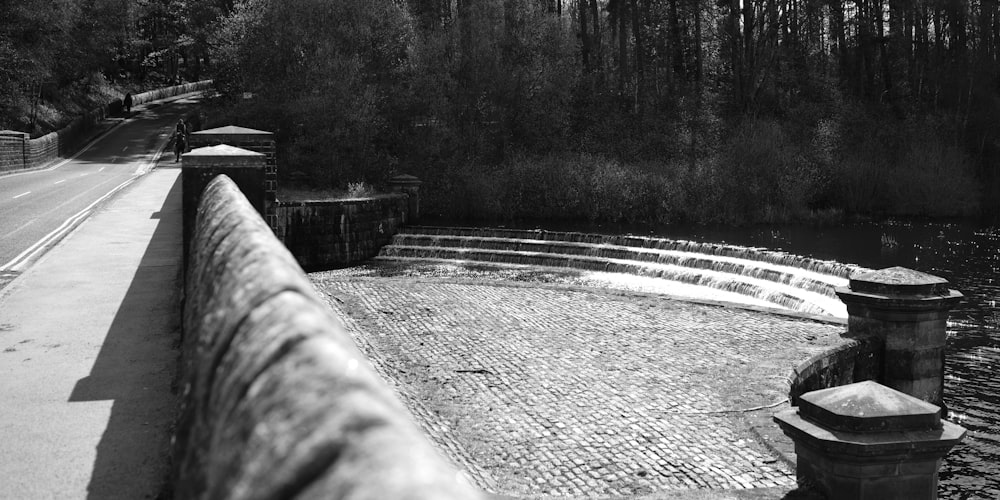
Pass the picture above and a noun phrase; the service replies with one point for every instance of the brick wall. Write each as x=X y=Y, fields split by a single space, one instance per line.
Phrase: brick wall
x=331 y=234
x=277 y=401
x=36 y=153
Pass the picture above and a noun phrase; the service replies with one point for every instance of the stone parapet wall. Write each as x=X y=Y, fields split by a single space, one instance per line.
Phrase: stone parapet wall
x=332 y=234
x=854 y=360
x=277 y=400
x=12 y=150
x=39 y=152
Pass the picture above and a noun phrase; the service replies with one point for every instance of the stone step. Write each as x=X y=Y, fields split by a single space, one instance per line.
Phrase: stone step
x=824 y=267
x=797 y=277
x=780 y=294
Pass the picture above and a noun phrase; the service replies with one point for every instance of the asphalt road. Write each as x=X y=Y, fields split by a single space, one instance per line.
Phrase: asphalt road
x=39 y=208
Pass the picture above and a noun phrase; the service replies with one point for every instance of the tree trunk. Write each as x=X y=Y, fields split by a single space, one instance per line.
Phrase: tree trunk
x=595 y=14
x=622 y=32
x=837 y=30
x=581 y=8
x=640 y=67
x=675 y=39
x=699 y=63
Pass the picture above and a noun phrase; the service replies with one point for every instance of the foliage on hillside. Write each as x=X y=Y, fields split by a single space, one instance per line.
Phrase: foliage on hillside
x=60 y=58
x=632 y=110
x=629 y=110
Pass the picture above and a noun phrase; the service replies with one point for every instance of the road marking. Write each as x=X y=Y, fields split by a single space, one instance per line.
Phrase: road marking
x=59 y=182
x=126 y=147
x=144 y=168
x=26 y=193
x=100 y=169
x=17 y=263
x=84 y=174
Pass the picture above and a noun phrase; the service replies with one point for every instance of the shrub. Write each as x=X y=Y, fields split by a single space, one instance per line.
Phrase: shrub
x=359 y=190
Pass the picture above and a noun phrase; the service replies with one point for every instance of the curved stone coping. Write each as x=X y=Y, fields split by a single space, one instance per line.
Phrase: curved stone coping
x=785 y=295
x=853 y=360
x=750 y=253
x=325 y=202
x=160 y=93
x=277 y=401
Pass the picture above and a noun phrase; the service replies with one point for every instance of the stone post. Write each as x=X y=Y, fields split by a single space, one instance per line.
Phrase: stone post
x=200 y=166
x=14 y=151
x=252 y=140
x=410 y=185
x=867 y=441
x=908 y=311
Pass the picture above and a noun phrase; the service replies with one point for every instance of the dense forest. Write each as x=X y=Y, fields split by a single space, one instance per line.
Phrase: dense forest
x=645 y=111
x=58 y=57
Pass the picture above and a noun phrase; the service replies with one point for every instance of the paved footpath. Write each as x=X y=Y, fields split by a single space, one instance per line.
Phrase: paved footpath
x=541 y=389
x=87 y=354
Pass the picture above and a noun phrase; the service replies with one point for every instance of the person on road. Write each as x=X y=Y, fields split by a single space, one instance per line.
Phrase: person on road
x=127 y=103
x=180 y=140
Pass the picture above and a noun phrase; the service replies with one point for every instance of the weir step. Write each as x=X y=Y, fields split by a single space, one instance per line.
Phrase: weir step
x=800 y=278
x=825 y=267
x=785 y=280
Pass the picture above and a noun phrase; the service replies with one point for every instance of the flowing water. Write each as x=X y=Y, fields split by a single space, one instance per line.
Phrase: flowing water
x=968 y=256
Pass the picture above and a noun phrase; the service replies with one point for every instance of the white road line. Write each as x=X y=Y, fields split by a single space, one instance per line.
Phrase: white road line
x=59 y=182
x=17 y=263
x=148 y=165
x=100 y=169
x=84 y=174
x=26 y=193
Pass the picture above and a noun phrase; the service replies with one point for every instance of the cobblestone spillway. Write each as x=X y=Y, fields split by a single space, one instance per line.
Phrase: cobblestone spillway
x=546 y=389
x=783 y=280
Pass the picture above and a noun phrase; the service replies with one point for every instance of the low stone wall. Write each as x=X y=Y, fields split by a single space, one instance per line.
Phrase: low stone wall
x=13 y=150
x=855 y=360
x=331 y=234
x=277 y=400
x=18 y=152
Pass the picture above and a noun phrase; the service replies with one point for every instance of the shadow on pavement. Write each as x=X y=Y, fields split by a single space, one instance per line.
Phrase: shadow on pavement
x=136 y=367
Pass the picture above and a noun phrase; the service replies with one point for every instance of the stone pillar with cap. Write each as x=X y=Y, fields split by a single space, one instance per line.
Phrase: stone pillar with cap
x=908 y=310
x=868 y=441
x=410 y=185
x=258 y=141
x=201 y=165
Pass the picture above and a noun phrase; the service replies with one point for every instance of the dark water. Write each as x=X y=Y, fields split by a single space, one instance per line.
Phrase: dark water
x=965 y=254
x=968 y=256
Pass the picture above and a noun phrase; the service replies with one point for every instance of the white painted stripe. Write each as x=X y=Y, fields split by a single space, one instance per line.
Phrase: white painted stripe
x=144 y=168
x=100 y=169
x=26 y=193
x=17 y=263
x=59 y=182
